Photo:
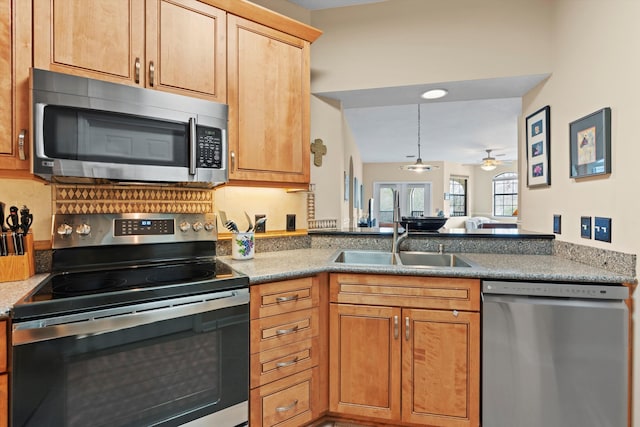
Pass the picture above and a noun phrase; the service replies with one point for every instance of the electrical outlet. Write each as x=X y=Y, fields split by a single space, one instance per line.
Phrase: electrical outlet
x=585 y=227
x=557 y=222
x=602 y=229
x=260 y=228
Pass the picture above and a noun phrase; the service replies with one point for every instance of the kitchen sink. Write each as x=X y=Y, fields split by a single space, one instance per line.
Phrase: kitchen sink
x=406 y=259
x=430 y=259
x=365 y=257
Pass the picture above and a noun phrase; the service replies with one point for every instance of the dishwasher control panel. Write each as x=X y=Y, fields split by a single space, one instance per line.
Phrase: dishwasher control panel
x=557 y=290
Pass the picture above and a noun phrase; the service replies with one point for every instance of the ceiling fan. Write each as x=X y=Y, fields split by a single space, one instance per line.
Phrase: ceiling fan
x=489 y=163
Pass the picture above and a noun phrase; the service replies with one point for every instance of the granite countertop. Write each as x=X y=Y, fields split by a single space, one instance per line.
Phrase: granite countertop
x=289 y=264
x=443 y=232
x=272 y=266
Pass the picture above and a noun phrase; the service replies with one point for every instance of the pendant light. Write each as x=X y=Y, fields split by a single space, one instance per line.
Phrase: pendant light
x=418 y=166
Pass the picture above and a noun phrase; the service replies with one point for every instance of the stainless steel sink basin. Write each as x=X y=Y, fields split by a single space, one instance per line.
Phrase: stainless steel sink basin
x=365 y=257
x=406 y=259
x=429 y=259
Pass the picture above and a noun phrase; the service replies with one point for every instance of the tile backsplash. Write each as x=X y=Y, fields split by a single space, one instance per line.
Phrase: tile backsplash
x=78 y=199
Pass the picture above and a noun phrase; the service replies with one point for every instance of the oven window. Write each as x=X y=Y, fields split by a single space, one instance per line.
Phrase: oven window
x=165 y=373
x=98 y=136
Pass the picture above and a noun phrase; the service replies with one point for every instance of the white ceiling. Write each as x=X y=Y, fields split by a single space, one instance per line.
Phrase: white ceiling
x=475 y=116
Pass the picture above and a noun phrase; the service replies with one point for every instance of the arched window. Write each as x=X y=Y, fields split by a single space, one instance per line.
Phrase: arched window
x=505 y=194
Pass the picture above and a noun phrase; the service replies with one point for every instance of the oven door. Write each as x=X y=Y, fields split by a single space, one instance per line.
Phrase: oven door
x=163 y=363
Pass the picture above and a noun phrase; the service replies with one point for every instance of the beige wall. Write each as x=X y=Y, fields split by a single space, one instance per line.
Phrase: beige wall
x=405 y=42
x=592 y=69
x=483 y=190
x=37 y=197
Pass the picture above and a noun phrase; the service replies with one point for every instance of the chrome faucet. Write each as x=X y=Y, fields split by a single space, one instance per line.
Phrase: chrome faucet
x=395 y=244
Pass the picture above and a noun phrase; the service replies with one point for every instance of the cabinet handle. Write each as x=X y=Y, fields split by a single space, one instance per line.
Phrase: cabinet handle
x=289 y=363
x=396 y=327
x=21 y=137
x=286 y=331
x=233 y=161
x=136 y=71
x=285 y=299
x=288 y=407
x=152 y=72
x=407 y=328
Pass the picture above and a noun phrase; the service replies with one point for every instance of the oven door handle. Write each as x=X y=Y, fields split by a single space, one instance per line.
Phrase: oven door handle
x=103 y=321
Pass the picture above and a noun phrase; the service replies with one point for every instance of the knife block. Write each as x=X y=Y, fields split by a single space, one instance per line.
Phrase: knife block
x=18 y=267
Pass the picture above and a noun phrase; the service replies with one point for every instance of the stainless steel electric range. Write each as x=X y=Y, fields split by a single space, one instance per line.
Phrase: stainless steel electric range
x=137 y=325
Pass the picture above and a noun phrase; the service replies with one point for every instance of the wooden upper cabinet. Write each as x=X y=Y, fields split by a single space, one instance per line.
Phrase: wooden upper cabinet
x=186 y=48
x=173 y=45
x=97 y=39
x=15 y=61
x=268 y=96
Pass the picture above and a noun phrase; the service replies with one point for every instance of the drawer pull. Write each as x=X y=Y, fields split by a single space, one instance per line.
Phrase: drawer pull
x=289 y=363
x=136 y=71
x=286 y=331
x=288 y=407
x=395 y=327
x=407 y=330
x=285 y=299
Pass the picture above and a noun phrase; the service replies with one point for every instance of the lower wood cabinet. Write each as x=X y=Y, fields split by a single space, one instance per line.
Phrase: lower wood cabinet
x=400 y=363
x=4 y=376
x=288 y=362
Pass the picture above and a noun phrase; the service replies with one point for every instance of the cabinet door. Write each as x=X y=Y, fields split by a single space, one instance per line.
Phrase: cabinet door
x=98 y=39
x=268 y=95
x=364 y=374
x=186 y=48
x=15 y=43
x=440 y=367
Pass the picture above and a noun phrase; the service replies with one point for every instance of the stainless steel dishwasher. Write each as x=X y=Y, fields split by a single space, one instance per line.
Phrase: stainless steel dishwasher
x=554 y=355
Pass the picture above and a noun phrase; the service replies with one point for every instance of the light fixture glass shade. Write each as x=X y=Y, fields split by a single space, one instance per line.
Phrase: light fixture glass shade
x=435 y=93
x=487 y=167
x=418 y=166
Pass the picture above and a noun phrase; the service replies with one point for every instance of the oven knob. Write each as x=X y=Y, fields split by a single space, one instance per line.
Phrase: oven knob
x=83 y=229
x=184 y=226
x=197 y=226
x=209 y=226
x=65 y=230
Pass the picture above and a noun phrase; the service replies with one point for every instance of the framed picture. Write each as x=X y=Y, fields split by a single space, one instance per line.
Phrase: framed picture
x=590 y=139
x=356 y=195
x=538 y=144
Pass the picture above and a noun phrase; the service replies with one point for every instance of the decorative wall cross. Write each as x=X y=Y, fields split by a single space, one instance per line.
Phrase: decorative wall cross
x=318 y=149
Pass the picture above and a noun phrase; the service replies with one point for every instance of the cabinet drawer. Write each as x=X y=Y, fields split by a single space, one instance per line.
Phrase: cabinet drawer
x=280 y=362
x=283 y=297
x=3 y=345
x=275 y=331
x=286 y=403
x=406 y=291
x=4 y=400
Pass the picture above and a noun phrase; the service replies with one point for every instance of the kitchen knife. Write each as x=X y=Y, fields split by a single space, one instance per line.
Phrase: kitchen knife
x=13 y=221
x=26 y=219
x=4 y=250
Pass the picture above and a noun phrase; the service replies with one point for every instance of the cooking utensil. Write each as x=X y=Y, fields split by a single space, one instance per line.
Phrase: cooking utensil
x=260 y=222
x=249 y=220
x=231 y=226
x=223 y=217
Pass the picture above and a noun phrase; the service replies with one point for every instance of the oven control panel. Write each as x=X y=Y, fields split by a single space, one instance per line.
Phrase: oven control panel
x=77 y=230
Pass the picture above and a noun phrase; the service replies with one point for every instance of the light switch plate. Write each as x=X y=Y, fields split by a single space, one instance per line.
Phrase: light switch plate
x=585 y=227
x=557 y=224
x=602 y=229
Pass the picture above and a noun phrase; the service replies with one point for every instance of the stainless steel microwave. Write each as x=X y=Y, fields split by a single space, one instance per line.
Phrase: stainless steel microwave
x=86 y=128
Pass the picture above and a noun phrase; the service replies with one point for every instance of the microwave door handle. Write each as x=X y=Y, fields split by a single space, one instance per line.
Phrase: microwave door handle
x=193 y=144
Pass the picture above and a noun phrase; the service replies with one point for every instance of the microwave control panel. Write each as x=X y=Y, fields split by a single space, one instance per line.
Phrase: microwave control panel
x=209 y=151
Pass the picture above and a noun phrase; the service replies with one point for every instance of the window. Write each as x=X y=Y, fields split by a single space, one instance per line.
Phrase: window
x=415 y=199
x=458 y=196
x=505 y=194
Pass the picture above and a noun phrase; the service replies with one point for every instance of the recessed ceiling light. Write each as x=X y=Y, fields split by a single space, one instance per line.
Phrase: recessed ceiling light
x=435 y=93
